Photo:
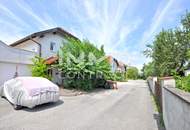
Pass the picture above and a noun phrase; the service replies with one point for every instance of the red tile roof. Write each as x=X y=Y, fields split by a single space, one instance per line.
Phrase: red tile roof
x=109 y=58
x=51 y=60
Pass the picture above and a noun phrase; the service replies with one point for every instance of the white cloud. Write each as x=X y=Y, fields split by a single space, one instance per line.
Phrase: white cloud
x=157 y=20
x=7 y=12
x=90 y=9
x=103 y=22
x=45 y=22
x=125 y=31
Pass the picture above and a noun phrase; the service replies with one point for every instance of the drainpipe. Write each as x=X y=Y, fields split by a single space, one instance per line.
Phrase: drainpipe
x=16 y=73
x=40 y=46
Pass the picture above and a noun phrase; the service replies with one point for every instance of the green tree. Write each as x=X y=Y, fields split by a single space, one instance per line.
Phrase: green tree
x=132 y=73
x=148 y=70
x=170 y=49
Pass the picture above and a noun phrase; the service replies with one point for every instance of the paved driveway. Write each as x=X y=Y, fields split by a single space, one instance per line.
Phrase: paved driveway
x=128 y=108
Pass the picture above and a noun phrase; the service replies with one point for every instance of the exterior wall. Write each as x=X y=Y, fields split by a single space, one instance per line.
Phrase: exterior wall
x=121 y=69
x=112 y=63
x=12 y=59
x=176 y=109
x=29 y=45
x=56 y=77
x=167 y=81
x=113 y=66
x=8 y=70
x=45 y=44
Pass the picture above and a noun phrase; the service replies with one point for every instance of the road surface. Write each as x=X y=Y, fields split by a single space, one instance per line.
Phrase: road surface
x=128 y=108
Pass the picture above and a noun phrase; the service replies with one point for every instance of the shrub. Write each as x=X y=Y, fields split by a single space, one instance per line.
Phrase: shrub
x=39 y=68
x=82 y=62
x=121 y=76
x=183 y=83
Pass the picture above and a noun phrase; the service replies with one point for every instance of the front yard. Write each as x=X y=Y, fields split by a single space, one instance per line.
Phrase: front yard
x=129 y=107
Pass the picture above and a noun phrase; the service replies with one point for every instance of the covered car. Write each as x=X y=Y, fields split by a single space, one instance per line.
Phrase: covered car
x=29 y=91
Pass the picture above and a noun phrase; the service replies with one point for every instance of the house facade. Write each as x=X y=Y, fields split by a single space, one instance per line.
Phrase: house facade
x=44 y=43
x=113 y=62
x=116 y=66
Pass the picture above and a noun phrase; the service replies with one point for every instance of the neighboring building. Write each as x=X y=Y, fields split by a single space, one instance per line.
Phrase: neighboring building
x=116 y=66
x=113 y=62
x=44 y=43
x=121 y=67
x=14 y=62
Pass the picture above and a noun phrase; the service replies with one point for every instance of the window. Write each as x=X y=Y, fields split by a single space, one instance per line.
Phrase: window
x=34 y=49
x=52 y=46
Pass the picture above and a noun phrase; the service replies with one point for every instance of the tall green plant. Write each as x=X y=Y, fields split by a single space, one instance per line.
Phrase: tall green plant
x=39 y=68
x=81 y=63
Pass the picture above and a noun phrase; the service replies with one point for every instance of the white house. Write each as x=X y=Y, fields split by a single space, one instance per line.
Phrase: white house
x=121 y=67
x=16 y=58
x=113 y=62
x=187 y=72
x=14 y=61
x=44 y=43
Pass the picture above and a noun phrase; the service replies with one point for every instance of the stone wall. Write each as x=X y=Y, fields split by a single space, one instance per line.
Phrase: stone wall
x=175 y=104
x=176 y=108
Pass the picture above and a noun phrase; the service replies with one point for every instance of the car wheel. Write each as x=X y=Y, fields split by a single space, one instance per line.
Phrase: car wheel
x=17 y=107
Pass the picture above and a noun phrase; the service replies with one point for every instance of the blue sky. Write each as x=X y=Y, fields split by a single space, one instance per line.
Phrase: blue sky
x=124 y=27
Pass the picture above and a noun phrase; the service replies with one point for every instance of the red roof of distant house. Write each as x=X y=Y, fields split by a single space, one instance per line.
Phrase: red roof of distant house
x=51 y=60
x=109 y=58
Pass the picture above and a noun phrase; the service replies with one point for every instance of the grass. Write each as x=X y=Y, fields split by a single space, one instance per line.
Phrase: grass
x=158 y=109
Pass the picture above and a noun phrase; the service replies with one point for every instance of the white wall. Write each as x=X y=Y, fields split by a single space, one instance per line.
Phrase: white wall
x=45 y=44
x=187 y=72
x=12 y=58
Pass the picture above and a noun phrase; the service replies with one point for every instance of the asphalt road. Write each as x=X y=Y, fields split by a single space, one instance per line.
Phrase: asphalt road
x=128 y=108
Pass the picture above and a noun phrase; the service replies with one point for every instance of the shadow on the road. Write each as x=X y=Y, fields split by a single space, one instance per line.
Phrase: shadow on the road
x=39 y=107
x=159 y=122
x=43 y=106
x=99 y=91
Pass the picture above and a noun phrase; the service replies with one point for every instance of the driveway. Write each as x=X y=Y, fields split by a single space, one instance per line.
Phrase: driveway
x=128 y=108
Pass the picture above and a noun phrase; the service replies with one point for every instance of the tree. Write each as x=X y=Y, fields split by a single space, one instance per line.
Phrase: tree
x=148 y=70
x=169 y=50
x=132 y=73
